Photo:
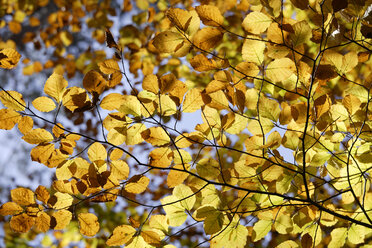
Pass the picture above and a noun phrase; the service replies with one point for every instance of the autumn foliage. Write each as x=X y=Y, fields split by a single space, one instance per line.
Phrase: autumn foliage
x=280 y=158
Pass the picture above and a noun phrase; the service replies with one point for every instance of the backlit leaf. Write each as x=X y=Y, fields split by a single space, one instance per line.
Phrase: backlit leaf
x=88 y=223
x=44 y=104
x=121 y=235
x=168 y=41
x=256 y=22
x=22 y=196
x=8 y=118
x=137 y=184
x=37 y=136
x=12 y=100
x=210 y=15
x=9 y=58
x=156 y=136
x=55 y=86
x=22 y=223
x=10 y=208
x=260 y=229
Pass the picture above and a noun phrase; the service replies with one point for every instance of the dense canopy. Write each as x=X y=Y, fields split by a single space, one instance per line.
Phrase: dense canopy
x=190 y=123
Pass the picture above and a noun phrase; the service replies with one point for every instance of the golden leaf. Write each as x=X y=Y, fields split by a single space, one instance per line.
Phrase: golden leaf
x=55 y=86
x=112 y=101
x=76 y=98
x=97 y=152
x=88 y=223
x=42 y=222
x=60 y=200
x=37 y=136
x=156 y=136
x=280 y=69
x=22 y=196
x=210 y=15
x=119 y=169
x=161 y=157
x=168 y=41
x=44 y=104
x=208 y=38
x=193 y=101
x=121 y=235
x=12 y=100
x=256 y=22
x=9 y=58
x=42 y=194
x=22 y=223
x=8 y=118
x=94 y=82
x=137 y=184
x=10 y=208
x=62 y=219
x=151 y=83
x=25 y=124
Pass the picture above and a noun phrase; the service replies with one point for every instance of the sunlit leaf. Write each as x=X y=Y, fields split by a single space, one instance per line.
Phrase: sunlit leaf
x=12 y=100
x=88 y=223
x=9 y=58
x=44 y=104
x=121 y=235
x=55 y=86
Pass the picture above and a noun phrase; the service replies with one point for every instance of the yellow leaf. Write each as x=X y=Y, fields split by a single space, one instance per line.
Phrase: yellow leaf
x=208 y=38
x=339 y=236
x=62 y=218
x=210 y=15
x=42 y=222
x=44 y=104
x=60 y=200
x=134 y=134
x=112 y=101
x=156 y=136
x=186 y=195
x=168 y=41
x=55 y=86
x=88 y=223
x=238 y=124
x=253 y=50
x=42 y=194
x=193 y=101
x=201 y=63
x=121 y=235
x=260 y=229
x=185 y=20
x=339 y=112
x=234 y=235
x=213 y=219
x=22 y=196
x=9 y=58
x=166 y=106
x=349 y=61
x=247 y=69
x=76 y=98
x=94 y=82
x=22 y=223
x=42 y=153
x=12 y=100
x=37 y=136
x=280 y=69
x=159 y=222
x=109 y=66
x=131 y=106
x=288 y=244
x=119 y=169
x=25 y=124
x=256 y=22
x=176 y=177
x=322 y=105
x=151 y=237
x=161 y=157
x=10 y=208
x=97 y=152
x=8 y=118
x=137 y=241
x=137 y=184
x=174 y=211
x=151 y=83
